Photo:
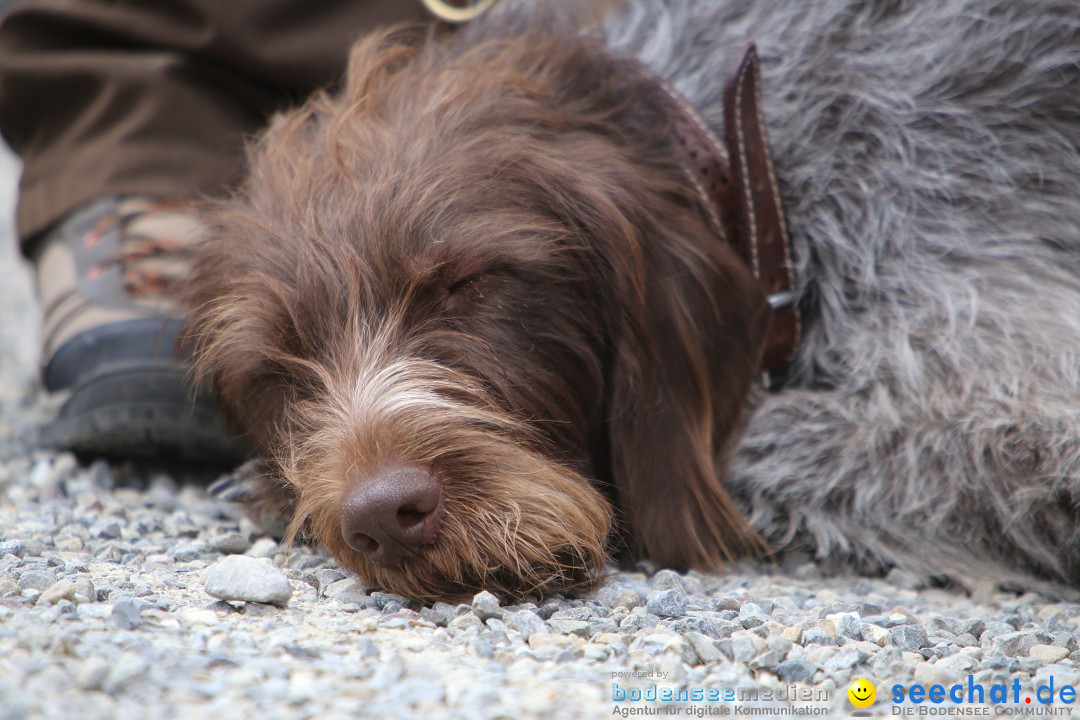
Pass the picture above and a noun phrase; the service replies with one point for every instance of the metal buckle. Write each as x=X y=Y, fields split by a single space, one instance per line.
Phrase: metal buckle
x=781 y=299
x=444 y=10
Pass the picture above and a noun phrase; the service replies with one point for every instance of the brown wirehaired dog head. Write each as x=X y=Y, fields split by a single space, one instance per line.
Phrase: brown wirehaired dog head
x=474 y=319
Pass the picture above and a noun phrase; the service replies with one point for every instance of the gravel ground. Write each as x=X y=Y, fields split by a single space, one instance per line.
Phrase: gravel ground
x=128 y=592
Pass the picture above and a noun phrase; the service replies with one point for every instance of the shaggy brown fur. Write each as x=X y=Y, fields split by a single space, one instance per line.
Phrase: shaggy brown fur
x=482 y=259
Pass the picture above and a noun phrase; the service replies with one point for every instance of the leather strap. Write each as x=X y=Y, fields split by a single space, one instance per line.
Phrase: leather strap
x=762 y=236
x=737 y=184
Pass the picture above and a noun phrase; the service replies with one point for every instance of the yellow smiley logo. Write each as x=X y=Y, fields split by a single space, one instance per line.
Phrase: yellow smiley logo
x=862 y=693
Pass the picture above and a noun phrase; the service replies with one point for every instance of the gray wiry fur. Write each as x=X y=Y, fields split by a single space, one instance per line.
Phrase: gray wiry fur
x=929 y=166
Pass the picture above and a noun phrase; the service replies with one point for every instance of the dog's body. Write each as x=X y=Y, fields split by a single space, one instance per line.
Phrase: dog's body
x=477 y=274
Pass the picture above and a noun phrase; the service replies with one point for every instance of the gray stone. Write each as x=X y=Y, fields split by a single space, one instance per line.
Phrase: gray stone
x=776 y=651
x=547 y=610
x=568 y=626
x=1060 y=639
x=107 y=529
x=660 y=643
x=263 y=548
x=666 y=603
x=846 y=659
x=482 y=648
x=84 y=590
x=13 y=547
x=889 y=662
x=337 y=586
x=995 y=660
x=349 y=592
x=36 y=580
x=220 y=606
x=817 y=636
x=92 y=673
x=438 y=614
x=745 y=646
x=799 y=670
x=257 y=609
x=751 y=615
x=326 y=577
x=728 y=602
x=695 y=623
x=959 y=662
x=188 y=551
x=933 y=674
x=911 y=638
x=239 y=577
x=127 y=613
x=1048 y=654
x=366 y=648
x=703 y=647
x=486 y=605
x=1015 y=644
x=60 y=590
x=127 y=671
x=669 y=580
x=465 y=622
x=8 y=563
x=608 y=595
x=993 y=629
x=848 y=625
x=966 y=640
x=941 y=626
x=767 y=606
x=583 y=612
x=33 y=548
x=384 y=601
x=230 y=544
x=1062 y=676
x=602 y=625
x=527 y=623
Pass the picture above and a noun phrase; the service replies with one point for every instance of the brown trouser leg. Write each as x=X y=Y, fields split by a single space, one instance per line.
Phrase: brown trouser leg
x=154 y=97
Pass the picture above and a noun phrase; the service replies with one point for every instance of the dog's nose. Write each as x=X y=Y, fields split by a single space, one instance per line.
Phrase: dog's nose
x=391 y=513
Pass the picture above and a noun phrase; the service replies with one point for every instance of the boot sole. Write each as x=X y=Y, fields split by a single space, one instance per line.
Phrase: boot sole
x=142 y=414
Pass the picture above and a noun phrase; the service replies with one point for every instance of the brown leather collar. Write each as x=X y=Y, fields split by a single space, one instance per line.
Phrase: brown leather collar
x=737 y=186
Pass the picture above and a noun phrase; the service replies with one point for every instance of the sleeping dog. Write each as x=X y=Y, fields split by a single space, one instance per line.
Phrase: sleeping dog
x=519 y=295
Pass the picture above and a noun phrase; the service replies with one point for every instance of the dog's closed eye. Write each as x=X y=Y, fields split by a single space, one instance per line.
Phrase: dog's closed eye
x=466 y=290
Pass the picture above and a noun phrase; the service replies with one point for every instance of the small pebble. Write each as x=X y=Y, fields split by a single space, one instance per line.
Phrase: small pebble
x=666 y=603
x=486 y=605
x=238 y=577
x=570 y=627
x=36 y=580
x=1048 y=653
x=127 y=613
x=84 y=590
x=60 y=590
x=910 y=638
x=527 y=623
x=751 y=615
x=230 y=544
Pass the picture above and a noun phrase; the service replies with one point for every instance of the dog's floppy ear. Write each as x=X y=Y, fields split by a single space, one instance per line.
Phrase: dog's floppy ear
x=677 y=390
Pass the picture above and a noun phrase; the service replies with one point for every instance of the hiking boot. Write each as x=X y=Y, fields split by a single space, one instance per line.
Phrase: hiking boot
x=107 y=276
